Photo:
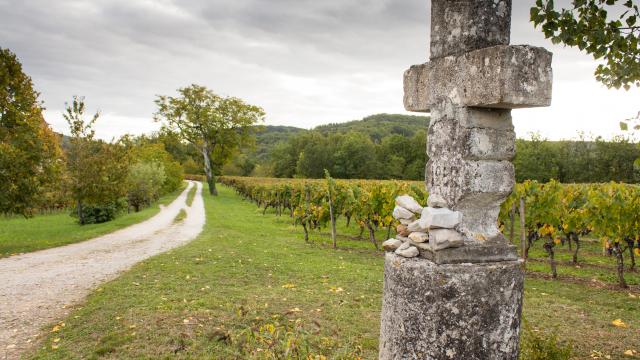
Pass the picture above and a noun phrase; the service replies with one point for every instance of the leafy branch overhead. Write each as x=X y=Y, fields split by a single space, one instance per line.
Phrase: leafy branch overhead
x=606 y=29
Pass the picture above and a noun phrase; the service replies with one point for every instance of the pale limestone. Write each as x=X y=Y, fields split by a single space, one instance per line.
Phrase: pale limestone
x=391 y=244
x=433 y=218
x=409 y=203
x=419 y=237
x=402 y=213
x=444 y=238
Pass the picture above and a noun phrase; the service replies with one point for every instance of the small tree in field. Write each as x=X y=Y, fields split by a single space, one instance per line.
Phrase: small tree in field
x=29 y=151
x=97 y=170
x=217 y=125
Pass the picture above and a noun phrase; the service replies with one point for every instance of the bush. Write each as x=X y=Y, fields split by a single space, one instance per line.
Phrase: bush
x=97 y=214
x=539 y=345
x=144 y=183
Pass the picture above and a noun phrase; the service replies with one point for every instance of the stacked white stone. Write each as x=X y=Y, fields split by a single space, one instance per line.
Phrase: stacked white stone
x=434 y=230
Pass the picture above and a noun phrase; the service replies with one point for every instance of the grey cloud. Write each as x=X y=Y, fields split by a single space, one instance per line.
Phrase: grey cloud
x=311 y=60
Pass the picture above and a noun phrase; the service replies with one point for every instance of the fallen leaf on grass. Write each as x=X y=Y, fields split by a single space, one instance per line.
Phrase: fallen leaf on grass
x=618 y=323
x=288 y=286
x=630 y=352
x=336 y=289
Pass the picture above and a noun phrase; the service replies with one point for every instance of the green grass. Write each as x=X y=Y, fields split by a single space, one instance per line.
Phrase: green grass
x=181 y=216
x=250 y=288
x=191 y=195
x=20 y=235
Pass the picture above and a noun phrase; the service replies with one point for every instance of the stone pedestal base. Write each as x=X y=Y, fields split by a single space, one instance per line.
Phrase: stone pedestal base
x=450 y=311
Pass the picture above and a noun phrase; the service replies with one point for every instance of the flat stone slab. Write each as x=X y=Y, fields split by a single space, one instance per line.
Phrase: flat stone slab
x=470 y=253
x=455 y=311
x=499 y=77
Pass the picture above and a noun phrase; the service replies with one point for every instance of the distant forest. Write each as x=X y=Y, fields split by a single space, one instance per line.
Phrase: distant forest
x=388 y=146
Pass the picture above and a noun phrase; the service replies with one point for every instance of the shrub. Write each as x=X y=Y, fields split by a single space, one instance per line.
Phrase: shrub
x=144 y=183
x=97 y=214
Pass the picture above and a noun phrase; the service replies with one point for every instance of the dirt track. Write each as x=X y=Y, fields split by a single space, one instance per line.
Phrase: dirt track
x=36 y=288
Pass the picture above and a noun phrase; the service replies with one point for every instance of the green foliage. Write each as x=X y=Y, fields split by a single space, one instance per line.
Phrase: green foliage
x=156 y=153
x=29 y=151
x=144 y=183
x=607 y=29
x=538 y=345
x=350 y=151
x=102 y=213
x=217 y=125
x=97 y=170
x=369 y=203
x=580 y=161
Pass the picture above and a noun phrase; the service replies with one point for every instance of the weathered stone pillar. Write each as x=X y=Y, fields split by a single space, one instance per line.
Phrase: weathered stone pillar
x=465 y=302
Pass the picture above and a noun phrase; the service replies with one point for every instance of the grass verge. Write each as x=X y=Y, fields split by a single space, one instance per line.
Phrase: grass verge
x=250 y=288
x=191 y=195
x=20 y=235
x=181 y=216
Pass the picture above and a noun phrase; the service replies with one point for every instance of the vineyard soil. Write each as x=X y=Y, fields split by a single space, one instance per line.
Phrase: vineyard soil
x=250 y=287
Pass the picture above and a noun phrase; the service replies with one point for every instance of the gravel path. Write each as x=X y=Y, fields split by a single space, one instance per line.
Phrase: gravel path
x=37 y=289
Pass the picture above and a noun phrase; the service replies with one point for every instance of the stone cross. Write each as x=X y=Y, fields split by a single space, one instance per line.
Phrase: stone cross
x=470 y=85
x=465 y=302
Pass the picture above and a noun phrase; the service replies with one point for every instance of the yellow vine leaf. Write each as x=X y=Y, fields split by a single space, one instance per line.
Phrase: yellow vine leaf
x=618 y=323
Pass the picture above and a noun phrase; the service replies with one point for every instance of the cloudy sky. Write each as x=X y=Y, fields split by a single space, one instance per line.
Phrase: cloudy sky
x=306 y=62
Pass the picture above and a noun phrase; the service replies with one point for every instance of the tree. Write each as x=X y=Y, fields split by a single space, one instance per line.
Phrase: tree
x=536 y=159
x=97 y=170
x=145 y=181
x=29 y=150
x=217 y=125
x=589 y=26
x=155 y=153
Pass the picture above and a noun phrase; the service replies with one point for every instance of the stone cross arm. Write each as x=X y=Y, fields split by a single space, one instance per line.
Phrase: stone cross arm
x=499 y=77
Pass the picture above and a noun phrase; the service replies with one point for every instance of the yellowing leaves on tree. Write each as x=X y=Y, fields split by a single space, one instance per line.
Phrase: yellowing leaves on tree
x=619 y=323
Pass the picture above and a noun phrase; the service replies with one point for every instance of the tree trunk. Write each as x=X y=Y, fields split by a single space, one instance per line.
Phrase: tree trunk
x=372 y=235
x=389 y=231
x=617 y=251
x=361 y=232
x=208 y=170
x=333 y=222
x=576 y=238
x=523 y=239
x=306 y=232
x=631 y=254
x=548 y=247
x=531 y=237
x=512 y=221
